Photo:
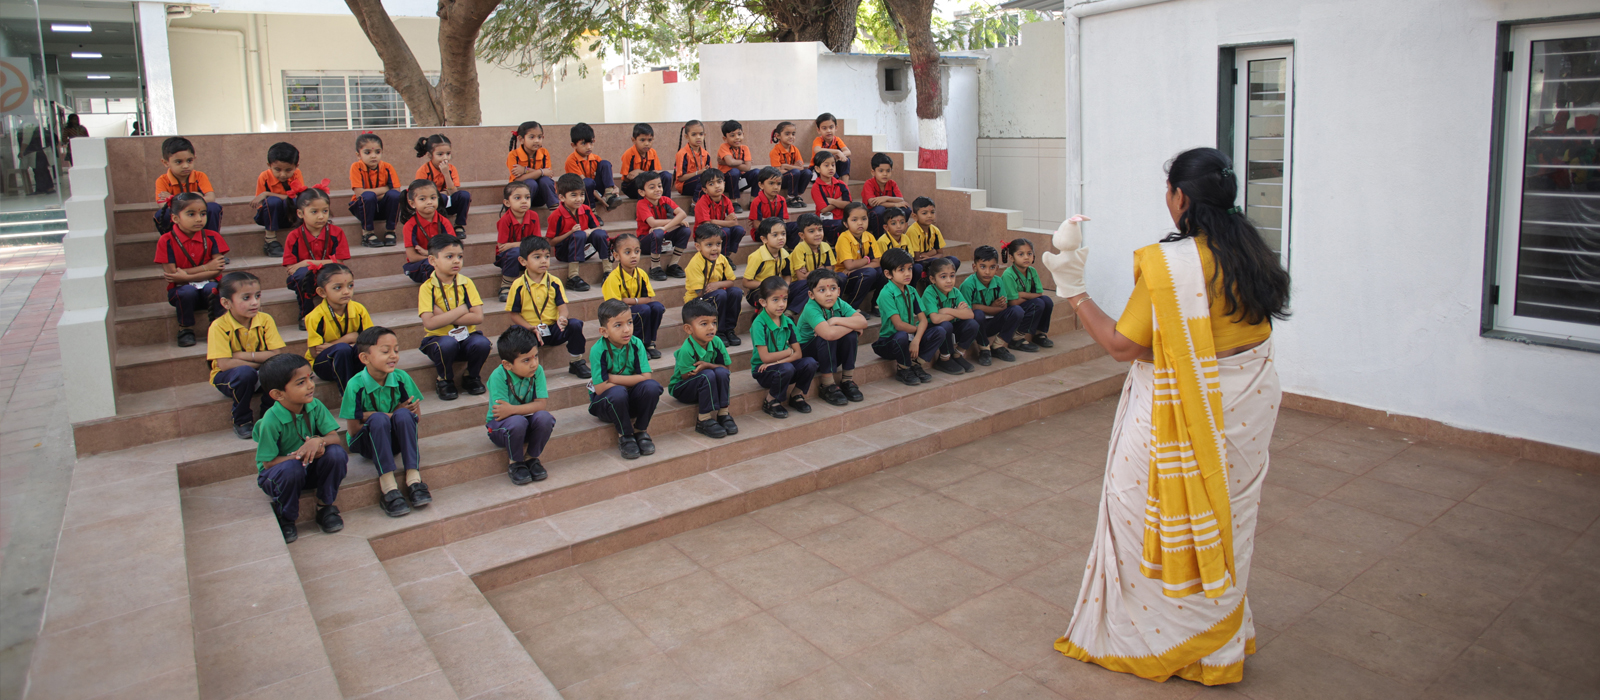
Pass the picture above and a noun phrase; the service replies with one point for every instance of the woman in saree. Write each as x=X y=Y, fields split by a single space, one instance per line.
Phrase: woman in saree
x=1164 y=586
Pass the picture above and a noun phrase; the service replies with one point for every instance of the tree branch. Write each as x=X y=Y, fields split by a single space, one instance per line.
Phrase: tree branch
x=400 y=68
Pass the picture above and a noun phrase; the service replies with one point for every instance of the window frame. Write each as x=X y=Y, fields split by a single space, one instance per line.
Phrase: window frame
x=351 y=105
x=1498 y=318
x=1233 y=122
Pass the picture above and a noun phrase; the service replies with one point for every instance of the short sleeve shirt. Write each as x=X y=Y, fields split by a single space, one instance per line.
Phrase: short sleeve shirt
x=267 y=182
x=894 y=300
x=706 y=211
x=517 y=156
x=280 y=432
x=871 y=189
x=882 y=244
x=662 y=208
x=1014 y=284
x=512 y=389
x=622 y=285
x=762 y=206
x=324 y=326
x=714 y=352
x=925 y=240
x=168 y=186
x=539 y=301
x=302 y=245
x=227 y=336
x=510 y=229
x=831 y=143
x=365 y=178
x=701 y=272
x=608 y=359
x=821 y=192
x=978 y=293
x=691 y=163
x=740 y=152
x=772 y=335
x=784 y=154
x=418 y=231
x=189 y=251
x=562 y=220
x=446 y=296
x=583 y=166
x=935 y=300
x=848 y=248
x=365 y=394
x=429 y=171
x=814 y=314
x=804 y=257
x=761 y=265
x=631 y=161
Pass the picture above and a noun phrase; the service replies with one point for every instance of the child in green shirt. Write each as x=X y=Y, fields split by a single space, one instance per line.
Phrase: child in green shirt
x=517 y=417
x=778 y=365
x=904 y=335
x=1021 y=284
x=297 y=444
x=700 y=370
x=948 y=309
x=829 y=330
x=997 y=318
x=621 y=391
x=381 y=407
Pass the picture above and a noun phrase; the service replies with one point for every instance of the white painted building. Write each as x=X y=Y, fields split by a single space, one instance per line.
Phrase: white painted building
x=1434 y=275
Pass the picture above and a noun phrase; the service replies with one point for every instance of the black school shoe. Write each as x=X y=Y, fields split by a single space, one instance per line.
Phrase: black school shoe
x=652 y=351
x=303 y=321
x=728 y=425
x=984 y=357
x=676 y=271
x=907 y=376
x=962 y=360
x=473 y=385
x=328 y=519
x=1003 y=354
x=732 y=340
x=628 y=446
x=245 y=432
x=851 y=391
x=799 y=403
x=419 y=495
x=579 y=369
x=446 y=390
x=711 y=429
x=922 y=374
x=833 y=395
x=647 y=446
x=186 y=338
x=774 y=408
x=737 y=208
x=272 y=249
x=291 y=532
x=1024 y=346
x=1043 y=341
x=948 y=366
x=658 y=274
x=520 y=474
x=577 y=284
x=393 y=504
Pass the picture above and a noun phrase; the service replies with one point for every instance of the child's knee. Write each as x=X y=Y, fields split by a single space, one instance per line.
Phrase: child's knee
x=543 y=420
x=515 y=424
x=649 y=387
x=369 y=198
x=379 y=421
x=404 y=416
x=335 y=454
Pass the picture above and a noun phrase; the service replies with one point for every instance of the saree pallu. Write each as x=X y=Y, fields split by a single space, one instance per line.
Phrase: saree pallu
x=1123 y=620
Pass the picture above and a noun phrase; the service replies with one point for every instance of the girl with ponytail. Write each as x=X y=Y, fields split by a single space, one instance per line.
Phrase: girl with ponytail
x=528 y=161
x=786 y=158
x=452 y=199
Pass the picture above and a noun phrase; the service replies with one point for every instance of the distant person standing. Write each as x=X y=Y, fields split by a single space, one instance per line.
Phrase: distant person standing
x=73 y=130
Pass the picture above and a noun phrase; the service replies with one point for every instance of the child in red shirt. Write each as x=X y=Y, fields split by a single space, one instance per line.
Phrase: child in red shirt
x=422 y=198
x=880 y=193
x=769 y=204
x=660 y=219
x=574 y=229
x=830 y=195
x=714 y=209
x=518 y=222
x=192 y=259
x=314 y=243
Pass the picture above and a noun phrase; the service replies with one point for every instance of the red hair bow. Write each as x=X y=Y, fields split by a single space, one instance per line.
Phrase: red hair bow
x=295 y=191
x=366 y=132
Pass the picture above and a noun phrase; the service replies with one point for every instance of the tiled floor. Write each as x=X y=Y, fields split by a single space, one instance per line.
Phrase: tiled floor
x=1386 y=568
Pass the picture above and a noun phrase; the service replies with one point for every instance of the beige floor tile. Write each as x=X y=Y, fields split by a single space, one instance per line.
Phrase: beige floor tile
x=1352 y=526
x=936 y=470
x=1279 y=503
x=1528 y=496
x=161 y=634
x=628 y=572
x=859 y=544
x=316 y=685
x=830 y=683
x=1337 y=455
x=433 y=685
x=351 y=598
x=873 y=491
x=1278 y=601
x=1063 y=519
x=90 y=592
x=1290 y=669
x=1456 y=605
x=231 y=545
x=1014 y=626
x=730 y=539
x=1021 y=687
x=1377 y=640
x=585 y=644
x=1546 y=639
x=1568 y=589
x=1057 y=581
x=1369 y=437
x=445 y=603
x=654 y=677
x=1428 y=476
x=257 y=652
x=776 y=575
x=1504 y=568
x=1495 y=528
x=1480 y=674
x=1481 y=463
x=930 y=581
x=244 y=591
x=684 y=608
x=1303 y=422
x=803 y=515
x=1391 y=500
x=481 y=657
x=1321 y=562
x=317 y=555
x=425 y=564
x=748 y=658
x=1002 y=549
x=1077 y=680
x=1303 y=476
x=995 y=492
x=932 y=517
x=1087 y=492
x=1053 y=470
x=378 y=654
x=987 y=454
x=928 y=662
x=845 y=617
x=538 y=600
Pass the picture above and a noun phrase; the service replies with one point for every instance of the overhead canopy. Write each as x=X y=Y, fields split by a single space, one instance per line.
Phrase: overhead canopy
x=1035 y=5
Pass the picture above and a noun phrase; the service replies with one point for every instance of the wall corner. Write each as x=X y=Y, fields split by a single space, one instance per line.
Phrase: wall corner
x=86 y=334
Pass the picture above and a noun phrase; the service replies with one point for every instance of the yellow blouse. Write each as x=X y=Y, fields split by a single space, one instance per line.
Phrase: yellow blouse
x=1228 y=332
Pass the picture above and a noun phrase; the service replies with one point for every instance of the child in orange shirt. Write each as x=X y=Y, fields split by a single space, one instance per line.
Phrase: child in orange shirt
x=437 y=168
x=693 y=158
x=375 y=191
x=529 y=162
x=733 y=159
x=786 y=158
x=642 y=159
x=177 y=153
x=828 y=140
x=596 y=173
x=275 y=187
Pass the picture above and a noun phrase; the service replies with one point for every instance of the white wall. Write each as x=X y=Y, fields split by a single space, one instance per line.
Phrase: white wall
x=1022 y=90
x=1028 y=175
x=1391 y=161
x=758 y=81
x=646 y=98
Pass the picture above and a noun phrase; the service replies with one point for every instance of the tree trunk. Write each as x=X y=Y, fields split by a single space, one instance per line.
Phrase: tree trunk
x=916 y=17
x=400 y=68
x=832 y=22
x=459 y=24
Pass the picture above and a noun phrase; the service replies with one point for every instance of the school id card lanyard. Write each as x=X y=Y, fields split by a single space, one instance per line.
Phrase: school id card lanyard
x=549 y=295
x=173 y=248
x=456 y=298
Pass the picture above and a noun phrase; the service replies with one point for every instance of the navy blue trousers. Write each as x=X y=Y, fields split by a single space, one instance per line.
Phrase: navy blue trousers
x=593 y=187
x=187 y=298
x=859 y=287
x=387 y=435
x=303 y=282
x=833 y=355
x=795 y=182
x=628 y=409
x=959 y=334
x=239 y=384
x=737 y=180
x=371 y=207
x=418 y=271
x=572 y=337
x=572 y=249
x=1002 y=325
x=732 y=236
x=284 y=481
x=523 y=437
x=647 y=321
x=337 y=364
x=446 y=351
x=728 y=301
x=897 y=347
x=707 y=389
x=270 y=215
x=544 y=191
x=777 y=379
x=650 y=243
x=1036 y=314
x=457 y=205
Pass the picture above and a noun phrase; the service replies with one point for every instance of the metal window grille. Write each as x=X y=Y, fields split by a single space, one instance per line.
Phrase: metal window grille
x=329 y=101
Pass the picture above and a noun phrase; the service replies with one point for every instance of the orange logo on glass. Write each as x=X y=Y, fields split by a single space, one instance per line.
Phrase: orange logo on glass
x=13 y=87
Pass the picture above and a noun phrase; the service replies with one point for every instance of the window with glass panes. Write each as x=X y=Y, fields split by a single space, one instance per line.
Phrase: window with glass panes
x=1263 y=113
x=325 y=101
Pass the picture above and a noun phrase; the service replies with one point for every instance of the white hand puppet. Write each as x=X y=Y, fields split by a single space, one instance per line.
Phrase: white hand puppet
x=1066 y=267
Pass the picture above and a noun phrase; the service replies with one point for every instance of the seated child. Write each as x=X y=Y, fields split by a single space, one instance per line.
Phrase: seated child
x=642 y=159
x=829 y=329
x=948 y=310
x=312 y=244
x=574 y=229
x=693 y=159
x=786 y=158
x=769 y=204
x=516 y=224
x=529 y=162
x=380 y=408
x=518 y=418
x=881 y=193
x=997 y=319
x=767 y=261
x=451 y=310
x=1021 y=285
x=375 y=192
x=275 y=187
x=716 y=209
x=828 y=140
x=857 y=267
x=297 y=444
x=332 y=327
x=631 y=285
x=700 y=371
x=596 y=173
x=424 y=224
x=238 y=342
x=621 y=391
x=829 y=193
x=437 y=169
x=660 y=226
x=778 y=364
x=711 y=279
x=905 y=335
x=203 y=256
x=538 y=303
x=177 y=153
x=733 y=159
x=812 y=253
x=927 y=241
x=894 y=238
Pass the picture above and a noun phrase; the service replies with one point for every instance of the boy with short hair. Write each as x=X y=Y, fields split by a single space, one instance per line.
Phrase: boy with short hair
x=905 y=335
x=812 y=253
x=700 y=371
x=660 y=225
x=828 y=140
x=947 y=309
x=375 y=191
x=621 y=391
x=538 y=303
x=829 y=329
x=596 y=173
x=237 y=343
x=997 y=319
x=894 y=238
x=380 y=408
x=642 y=159
x=767 y=202
x=881 y=193
x=275 y=190
x=927 y=241
x=451 y=310
x=735 y=161
x=710 y=278
x=203 y=254
x=718 y=210
x=518 y=420
x=573 y=227
x=297 y=442
x=177 y=154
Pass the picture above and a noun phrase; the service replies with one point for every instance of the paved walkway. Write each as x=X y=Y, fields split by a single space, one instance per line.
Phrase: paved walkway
x=36 y=453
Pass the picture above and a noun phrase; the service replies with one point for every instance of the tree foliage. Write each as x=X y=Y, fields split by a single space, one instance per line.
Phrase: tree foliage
x=980 y=26
x=454 y=100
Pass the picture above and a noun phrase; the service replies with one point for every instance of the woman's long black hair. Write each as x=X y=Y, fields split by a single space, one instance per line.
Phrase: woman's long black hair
x=1255 y=285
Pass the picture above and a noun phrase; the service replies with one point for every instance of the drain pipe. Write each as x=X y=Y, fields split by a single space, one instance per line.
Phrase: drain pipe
x=244 y=64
